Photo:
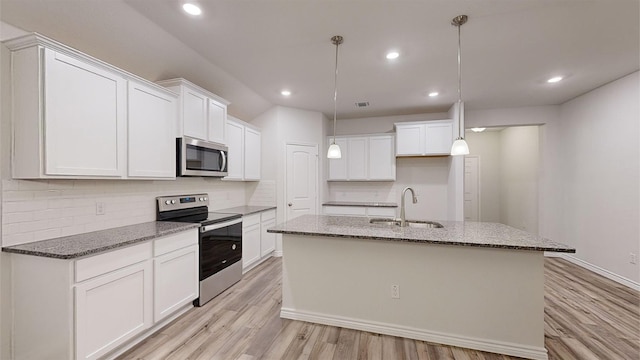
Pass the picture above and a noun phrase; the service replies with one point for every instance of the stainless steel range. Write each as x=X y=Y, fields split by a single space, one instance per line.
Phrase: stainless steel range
x=220 y=241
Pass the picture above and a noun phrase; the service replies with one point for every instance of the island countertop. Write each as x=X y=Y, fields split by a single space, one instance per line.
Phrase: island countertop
x=459 y=233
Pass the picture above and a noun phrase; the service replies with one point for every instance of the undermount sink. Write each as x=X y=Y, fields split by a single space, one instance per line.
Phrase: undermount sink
x=410 y=223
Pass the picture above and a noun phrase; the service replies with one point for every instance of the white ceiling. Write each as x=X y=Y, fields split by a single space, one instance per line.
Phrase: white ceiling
x=249 y=50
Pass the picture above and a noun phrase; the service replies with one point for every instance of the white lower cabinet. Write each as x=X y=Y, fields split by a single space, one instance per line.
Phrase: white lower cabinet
x=112 y=308
x=175 y=281
x=250 y=240
x=257 y=244
x=267 y=240
x=94 y=306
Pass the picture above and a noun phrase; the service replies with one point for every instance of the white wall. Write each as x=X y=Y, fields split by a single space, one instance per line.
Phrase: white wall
x=519 y=177
x=282 y=125
x=486 y=146
x=599 y=167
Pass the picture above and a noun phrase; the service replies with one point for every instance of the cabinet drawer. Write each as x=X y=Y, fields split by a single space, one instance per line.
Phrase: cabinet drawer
x=345 y=210
x=250 y=220
x=268 y=215
x=173 y=242
x=117 y=259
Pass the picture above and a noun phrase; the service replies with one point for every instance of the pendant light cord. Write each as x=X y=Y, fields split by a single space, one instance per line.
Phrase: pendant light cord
x=459 y=86
x=337 y=40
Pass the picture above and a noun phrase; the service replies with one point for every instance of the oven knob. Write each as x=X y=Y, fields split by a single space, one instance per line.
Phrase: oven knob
x=167 y=202
x=233 y=247
x=201 y=199
x=205 y=199
x=173 y=201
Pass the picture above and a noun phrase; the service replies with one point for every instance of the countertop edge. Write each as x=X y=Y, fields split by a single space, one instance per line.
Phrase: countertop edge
x=250 y=211
x=361 y=204
x=98 y=250
x=425 y=241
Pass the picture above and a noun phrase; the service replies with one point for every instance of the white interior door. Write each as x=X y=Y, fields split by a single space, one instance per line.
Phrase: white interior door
x=301 y=180
x=472 y=188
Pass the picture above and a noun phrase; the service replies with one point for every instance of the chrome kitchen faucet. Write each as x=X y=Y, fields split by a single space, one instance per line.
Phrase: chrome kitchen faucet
x=403 y=220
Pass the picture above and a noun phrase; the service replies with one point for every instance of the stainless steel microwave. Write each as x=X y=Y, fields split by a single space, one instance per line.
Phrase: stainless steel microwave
x=200 y=158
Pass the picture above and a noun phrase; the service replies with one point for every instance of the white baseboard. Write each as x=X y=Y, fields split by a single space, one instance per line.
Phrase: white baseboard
x=600 y=271
x=277 y=253
x=524 y=351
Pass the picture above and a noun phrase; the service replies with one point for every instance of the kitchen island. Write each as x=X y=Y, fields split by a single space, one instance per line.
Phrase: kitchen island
x=468 y=284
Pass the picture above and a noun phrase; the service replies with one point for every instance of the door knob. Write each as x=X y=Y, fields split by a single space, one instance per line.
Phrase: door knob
x=290 y=204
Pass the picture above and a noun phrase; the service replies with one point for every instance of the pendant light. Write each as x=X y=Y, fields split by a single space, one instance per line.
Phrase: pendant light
x=459 y=146
x=334 y=150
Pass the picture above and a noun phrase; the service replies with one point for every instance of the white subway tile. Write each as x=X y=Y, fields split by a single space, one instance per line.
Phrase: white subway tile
x=11 y=229
x=72 y=230
x=10 y=185
x=46 y=234
x=36 y=225
x=19 y=195
x=60 y=203
x=33 y=185
x=12 y=218
x=84 y=219
x=17 y=239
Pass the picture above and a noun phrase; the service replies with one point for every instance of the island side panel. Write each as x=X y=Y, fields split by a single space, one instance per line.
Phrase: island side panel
x=482 y=298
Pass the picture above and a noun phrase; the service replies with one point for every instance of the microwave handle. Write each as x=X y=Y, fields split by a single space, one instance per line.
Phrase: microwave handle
x=224 y=161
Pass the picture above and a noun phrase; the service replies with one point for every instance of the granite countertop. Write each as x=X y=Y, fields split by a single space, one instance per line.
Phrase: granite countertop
x=459 y=233
x=244 y=210
x=360 y=204
x=75 y=246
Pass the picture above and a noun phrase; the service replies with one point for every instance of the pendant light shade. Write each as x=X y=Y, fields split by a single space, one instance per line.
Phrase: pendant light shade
x=459 y=146
x=334 y=150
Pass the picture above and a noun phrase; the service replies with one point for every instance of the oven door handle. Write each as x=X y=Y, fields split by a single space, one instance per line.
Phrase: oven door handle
x=204 y=229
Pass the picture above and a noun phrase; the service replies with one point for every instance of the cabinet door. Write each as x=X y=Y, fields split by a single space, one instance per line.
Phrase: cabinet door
x=267 y=240
x=151 y=137
x=194 y=113
x=217 y=119
x=250 y=240
x=358 y=158
x=175 y=281
x=252 y=153
x=112 y=309
x=235 y=143
x=84 y=116
x=382 y=159
x=439 y=138
x=410 y=139
x=338 y=167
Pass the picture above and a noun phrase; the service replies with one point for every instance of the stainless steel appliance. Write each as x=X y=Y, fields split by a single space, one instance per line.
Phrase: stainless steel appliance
x=220 y=241
x=196 y=157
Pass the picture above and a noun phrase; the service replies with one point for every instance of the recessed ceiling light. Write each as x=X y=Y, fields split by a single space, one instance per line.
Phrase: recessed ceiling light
x=392 y=55
x=191 y=9
x=554 y=79
x=478 y=129
x=285 y=92
x=434 y=94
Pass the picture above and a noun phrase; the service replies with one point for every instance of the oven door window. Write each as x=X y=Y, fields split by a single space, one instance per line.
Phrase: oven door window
x=203 y=159
x=220 y=248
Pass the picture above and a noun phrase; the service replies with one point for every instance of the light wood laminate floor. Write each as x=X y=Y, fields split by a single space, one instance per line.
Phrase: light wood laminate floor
x=586 y=317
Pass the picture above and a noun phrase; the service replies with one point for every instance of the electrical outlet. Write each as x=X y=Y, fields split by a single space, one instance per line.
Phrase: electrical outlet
x=100 y=208
x=633 y=258
x=395 y=291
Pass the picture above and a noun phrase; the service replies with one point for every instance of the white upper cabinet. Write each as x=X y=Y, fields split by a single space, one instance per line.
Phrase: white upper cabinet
x=73 y=115
x=358 y=159
x=424 y=138
x=244 y=157
x=217 y=113
x=201 y=114
x=364 y=158
x=252 y=152
x=382 y=161
x=151 y=140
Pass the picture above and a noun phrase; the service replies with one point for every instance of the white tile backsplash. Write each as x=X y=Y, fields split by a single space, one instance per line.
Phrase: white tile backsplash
x=35 y=210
